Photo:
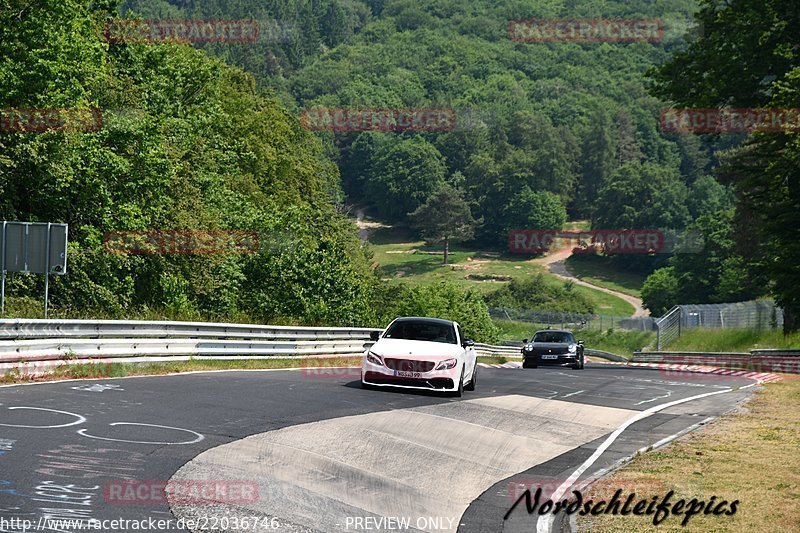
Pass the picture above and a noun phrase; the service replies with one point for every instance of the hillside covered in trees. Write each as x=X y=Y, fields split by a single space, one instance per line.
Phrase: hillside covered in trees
x=207 y=136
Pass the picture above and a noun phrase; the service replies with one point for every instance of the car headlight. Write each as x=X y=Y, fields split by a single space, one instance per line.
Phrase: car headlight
x=447 y=364
x=573 y=348
x=374 y=358
x=529 y=347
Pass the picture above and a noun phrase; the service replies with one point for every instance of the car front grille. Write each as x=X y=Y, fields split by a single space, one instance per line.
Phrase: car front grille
x=433 y=383
x=408 y=365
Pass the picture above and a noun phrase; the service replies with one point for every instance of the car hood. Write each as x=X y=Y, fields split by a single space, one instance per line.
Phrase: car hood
x=406 y=349
x=560 y=346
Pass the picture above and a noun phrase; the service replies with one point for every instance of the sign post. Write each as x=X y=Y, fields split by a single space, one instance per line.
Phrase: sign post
x=3 y=270
x=33 y=248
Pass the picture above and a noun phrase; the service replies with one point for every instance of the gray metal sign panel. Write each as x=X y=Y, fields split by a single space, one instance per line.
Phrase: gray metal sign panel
x=30 y=248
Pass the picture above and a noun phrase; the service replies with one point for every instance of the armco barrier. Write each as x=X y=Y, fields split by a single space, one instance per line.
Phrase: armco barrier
x=487 y=350
x=605 y=355
x=42 y=344
x=514 y=351
x=104 y=329
x=780 y=361
x=23 y=342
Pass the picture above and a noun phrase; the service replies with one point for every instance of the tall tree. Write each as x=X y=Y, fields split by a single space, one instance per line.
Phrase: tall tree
x=747 y=56
x=597 y=162
x=444 y=217
x=402 y=175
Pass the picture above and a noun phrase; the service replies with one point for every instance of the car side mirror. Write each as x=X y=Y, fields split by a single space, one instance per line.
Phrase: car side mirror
x=524 y=341
x=374 y=335
x=580 y=342
x=468 y=343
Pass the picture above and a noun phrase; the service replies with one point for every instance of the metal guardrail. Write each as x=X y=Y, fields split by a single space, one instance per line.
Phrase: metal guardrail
x=43 y=344
x=70 y=341
x=514 y=351
x=605 y=355
x=487 y=350
x=103 y=329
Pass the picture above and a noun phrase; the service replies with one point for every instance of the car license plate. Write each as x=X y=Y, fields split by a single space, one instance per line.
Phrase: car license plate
x=401 y=374
x=549 y=356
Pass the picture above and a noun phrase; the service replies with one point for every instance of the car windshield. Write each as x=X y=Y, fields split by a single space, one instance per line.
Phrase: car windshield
x=422 y=331
x=553 y=336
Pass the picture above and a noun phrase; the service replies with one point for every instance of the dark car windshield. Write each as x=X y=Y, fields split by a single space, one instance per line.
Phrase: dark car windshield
x=554 y=336
x=422 y=331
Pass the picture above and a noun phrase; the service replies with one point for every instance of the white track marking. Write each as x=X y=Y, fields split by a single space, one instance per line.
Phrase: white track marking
x=80 y=419
x=200 y=437
x=544 y=523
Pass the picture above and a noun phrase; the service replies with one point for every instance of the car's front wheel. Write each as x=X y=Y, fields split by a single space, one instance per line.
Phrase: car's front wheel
x=459 y=392
x=579 y=364
x=471 y=385
x=527 y=364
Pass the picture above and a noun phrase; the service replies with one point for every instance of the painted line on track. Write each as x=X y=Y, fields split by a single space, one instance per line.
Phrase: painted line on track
x=544 y=524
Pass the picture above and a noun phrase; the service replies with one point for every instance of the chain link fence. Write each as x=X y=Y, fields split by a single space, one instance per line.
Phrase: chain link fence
x=756 y=315
x=574 y=321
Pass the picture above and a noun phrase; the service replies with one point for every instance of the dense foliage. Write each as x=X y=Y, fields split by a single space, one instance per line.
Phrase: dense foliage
x=556 y=118
x=543 y=130
x=444 y=300
x=187 y=143
x=537 y=293
x=747 y=56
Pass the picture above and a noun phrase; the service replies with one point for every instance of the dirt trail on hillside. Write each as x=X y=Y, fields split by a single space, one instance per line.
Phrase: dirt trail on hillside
x=366 y=227
x=556 y=263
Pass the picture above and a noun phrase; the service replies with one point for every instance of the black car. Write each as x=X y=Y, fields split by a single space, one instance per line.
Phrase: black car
x=553 y=347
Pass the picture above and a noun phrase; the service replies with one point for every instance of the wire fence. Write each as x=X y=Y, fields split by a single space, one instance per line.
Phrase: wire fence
x=759 y=315
x=668 y=327
x=574 y=321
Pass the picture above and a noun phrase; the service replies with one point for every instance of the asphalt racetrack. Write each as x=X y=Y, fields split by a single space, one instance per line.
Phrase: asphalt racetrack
x=312 y=451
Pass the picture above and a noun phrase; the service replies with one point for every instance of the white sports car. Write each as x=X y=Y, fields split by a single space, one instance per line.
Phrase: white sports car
x=421 y=353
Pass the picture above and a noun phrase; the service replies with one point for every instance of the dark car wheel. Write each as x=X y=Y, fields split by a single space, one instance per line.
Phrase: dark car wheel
x=471 y=385
x=526 y=364
x=458 y=393
x=578 y=365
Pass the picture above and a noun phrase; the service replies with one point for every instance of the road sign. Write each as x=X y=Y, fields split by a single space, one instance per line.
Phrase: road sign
x=33 y=248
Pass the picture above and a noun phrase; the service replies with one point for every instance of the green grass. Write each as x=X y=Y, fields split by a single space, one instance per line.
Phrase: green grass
x=117 y=370
x=492 y=360
x=601 y=271
x=401 y=260
x=732 y=340
x=618 y=342
x=578 y=225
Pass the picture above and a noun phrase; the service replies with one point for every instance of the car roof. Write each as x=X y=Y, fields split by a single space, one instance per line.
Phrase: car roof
x=440 y=321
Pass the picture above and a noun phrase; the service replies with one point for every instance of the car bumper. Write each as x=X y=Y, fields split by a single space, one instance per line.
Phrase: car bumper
x=381 y=376
x=559 y=360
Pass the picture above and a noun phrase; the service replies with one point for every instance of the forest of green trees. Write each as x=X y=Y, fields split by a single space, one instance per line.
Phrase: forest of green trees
x=208 y=137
